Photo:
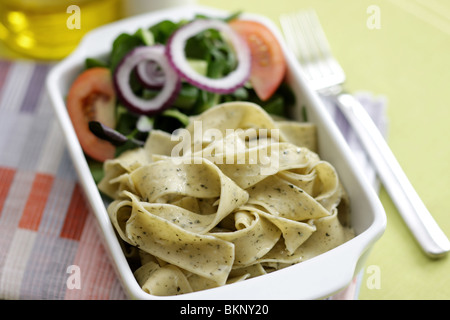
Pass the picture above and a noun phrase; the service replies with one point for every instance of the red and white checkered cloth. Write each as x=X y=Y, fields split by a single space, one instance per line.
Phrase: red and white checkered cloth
x=46 y=227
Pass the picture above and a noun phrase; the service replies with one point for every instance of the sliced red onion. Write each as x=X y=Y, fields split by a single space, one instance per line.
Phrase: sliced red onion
x=168 y=92
x=175 y=50
x=150 y=74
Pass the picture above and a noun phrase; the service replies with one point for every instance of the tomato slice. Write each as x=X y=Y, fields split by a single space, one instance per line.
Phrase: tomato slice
x=92 y=97
x=268 y=63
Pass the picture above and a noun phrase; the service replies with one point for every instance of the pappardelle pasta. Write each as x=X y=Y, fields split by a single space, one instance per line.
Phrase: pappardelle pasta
x=234 y=195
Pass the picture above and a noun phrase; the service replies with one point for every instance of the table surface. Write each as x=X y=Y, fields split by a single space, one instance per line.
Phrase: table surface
x=406 y=61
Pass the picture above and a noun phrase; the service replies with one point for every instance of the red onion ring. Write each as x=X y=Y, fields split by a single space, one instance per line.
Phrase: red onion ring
x=175 y=50
x=168 y=92
x=150 y=74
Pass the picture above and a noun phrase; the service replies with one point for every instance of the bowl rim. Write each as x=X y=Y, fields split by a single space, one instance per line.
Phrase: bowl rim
x=350 y=253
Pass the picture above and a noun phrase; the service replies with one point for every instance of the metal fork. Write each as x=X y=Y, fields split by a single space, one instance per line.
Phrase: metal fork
x=306 y=38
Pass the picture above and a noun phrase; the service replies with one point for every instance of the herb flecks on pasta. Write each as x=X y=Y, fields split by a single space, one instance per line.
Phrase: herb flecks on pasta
x=233 y=196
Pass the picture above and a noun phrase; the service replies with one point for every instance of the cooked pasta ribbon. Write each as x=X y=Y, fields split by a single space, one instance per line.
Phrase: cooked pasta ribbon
x=234 y=195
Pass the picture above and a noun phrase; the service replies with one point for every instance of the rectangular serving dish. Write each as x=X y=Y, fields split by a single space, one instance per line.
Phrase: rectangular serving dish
x=316 y=278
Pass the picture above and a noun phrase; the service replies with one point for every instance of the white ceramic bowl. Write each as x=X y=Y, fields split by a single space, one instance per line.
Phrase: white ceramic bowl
x=316 y=278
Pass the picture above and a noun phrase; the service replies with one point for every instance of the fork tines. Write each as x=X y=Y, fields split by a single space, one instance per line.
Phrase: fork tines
x=306 y=38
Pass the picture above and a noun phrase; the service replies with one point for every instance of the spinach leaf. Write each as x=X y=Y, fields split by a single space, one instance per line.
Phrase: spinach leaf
x=92 y=63
x=164 y=29
x=186 y=97
x=96 y=169
x=146 y=36
x=178 y=115
x=123 y=44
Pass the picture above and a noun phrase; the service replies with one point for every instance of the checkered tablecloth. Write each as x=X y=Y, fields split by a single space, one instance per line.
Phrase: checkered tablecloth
x=46 y=227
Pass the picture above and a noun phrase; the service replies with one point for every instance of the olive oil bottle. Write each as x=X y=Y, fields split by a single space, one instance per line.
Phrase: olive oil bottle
x=51 y=29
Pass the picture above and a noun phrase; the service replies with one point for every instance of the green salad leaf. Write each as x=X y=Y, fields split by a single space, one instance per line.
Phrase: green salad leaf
x=209 y=54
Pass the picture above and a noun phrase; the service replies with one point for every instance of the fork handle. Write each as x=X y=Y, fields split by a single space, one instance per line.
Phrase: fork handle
x=413 y=211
